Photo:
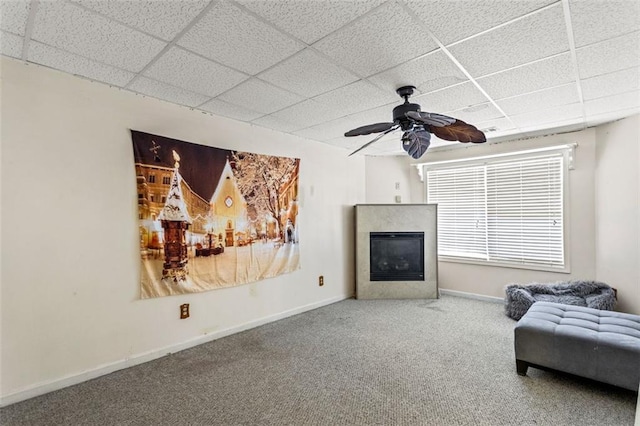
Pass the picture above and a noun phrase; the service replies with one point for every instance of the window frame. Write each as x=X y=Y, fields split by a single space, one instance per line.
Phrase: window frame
x=566 y=152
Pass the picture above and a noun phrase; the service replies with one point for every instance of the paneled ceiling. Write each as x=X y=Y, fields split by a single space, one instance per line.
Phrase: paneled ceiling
x=317 y=68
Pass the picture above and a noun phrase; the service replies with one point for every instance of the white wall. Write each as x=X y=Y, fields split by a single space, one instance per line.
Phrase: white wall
x=70 y=260
x=618 y=210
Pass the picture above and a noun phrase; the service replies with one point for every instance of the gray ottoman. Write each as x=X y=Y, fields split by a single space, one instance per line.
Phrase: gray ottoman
x=587 y=342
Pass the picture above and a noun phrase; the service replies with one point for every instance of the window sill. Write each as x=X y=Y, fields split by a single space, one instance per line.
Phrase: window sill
x=561 y=270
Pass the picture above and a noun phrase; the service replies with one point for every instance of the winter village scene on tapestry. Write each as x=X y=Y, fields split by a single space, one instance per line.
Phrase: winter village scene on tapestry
x=211 y=218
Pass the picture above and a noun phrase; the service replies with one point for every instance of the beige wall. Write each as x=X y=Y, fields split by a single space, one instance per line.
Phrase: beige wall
x=70 y=271
x=386 y=178
x=604 y=213
x=618 y=209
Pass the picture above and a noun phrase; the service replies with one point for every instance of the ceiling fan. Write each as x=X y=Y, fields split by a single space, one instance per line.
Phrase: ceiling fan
x=417 y=127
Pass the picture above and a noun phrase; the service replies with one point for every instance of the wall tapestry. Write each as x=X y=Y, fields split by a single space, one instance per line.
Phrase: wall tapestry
x=211 y=218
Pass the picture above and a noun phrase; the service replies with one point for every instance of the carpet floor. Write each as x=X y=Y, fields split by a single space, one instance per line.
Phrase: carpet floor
x=357 y=362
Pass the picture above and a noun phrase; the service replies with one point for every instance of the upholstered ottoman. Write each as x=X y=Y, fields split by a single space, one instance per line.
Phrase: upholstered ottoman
x=587 y=342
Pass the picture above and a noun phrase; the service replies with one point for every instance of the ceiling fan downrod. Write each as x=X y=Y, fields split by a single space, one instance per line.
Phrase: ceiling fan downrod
x=399 y=112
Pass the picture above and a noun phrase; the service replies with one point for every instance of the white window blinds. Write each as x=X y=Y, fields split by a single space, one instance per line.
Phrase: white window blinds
x=462 y=222
x=508 y=211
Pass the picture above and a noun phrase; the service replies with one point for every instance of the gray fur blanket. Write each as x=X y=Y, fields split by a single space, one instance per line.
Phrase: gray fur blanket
x=592 y=294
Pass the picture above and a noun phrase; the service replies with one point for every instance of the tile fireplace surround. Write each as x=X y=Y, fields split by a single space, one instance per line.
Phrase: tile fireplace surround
x=396 y=218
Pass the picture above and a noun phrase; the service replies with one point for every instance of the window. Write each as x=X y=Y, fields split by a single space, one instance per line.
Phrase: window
x=166 y=180
x=506 y=210
x=152 y=178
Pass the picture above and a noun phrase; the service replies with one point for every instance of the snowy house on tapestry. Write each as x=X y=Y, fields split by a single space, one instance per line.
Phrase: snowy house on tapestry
x=229 y=208
x=175 y=221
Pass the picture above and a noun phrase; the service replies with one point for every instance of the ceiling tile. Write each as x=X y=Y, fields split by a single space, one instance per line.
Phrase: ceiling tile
x=325 y=131
x=439 y=143
x=498 y=126
x=310 y=20
x=476 y=113
x=548 y=115
x=260 y=96
x=307 y=113
x=164 y=19
x=350 y=144
x=534 y=37
x=378 y=41
x=608 y=56
x=191 y=72
x=76 y=30
x=225 y=109
x=538 y=75
x=430 y=72
x=74 y=64
x=451 y=21
x=555 y=96
x=355 y=97
x=275 y=123
x=253 y=47
x=607 y=117
x=13 y=16
x=336 y=128
x=308 y=73
x=381 y=114
x=613 y=103
x=343 y=143
x=451 y=98
x=611 y=84
x=560 y=126
x=11 y=45
x=595 y=21
x=173 y=94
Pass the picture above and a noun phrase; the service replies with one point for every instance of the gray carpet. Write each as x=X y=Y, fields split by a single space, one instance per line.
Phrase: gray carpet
x=389 y=362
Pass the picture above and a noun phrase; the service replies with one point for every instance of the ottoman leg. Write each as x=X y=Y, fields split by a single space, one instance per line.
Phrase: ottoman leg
x=521 y=367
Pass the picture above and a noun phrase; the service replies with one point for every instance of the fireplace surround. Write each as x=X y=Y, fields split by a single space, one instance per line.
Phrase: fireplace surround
x=396 y=251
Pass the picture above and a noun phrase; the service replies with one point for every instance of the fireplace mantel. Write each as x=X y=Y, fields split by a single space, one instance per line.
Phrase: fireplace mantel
x=396 y=218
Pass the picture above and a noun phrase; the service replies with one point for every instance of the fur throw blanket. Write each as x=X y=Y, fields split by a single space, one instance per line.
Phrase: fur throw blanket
x=592 y=294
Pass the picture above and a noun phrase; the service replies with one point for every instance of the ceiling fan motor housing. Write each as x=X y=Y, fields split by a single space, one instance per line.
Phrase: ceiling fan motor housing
x=400 y=117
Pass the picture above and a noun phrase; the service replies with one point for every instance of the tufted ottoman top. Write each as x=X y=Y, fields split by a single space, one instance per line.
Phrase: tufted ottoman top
x=591 y=321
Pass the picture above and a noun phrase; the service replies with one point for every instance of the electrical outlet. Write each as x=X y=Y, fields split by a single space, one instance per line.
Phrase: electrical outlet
x=184 y=311
x=321 y=280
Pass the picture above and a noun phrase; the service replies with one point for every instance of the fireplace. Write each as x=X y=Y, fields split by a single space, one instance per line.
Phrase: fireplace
x=396 y=251
x=396 y=256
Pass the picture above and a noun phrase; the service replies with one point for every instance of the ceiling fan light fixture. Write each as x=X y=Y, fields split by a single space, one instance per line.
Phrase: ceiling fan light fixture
x=416 y=142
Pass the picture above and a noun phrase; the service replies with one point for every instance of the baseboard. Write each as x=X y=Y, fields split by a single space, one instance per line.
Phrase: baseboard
x=74 y=379
x=492 y=299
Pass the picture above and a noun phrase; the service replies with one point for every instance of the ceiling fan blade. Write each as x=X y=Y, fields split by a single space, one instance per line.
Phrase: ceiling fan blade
x=416 y=142
x=430 y=118
x=368 y=129
x=459 y=131
x=375 y=139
